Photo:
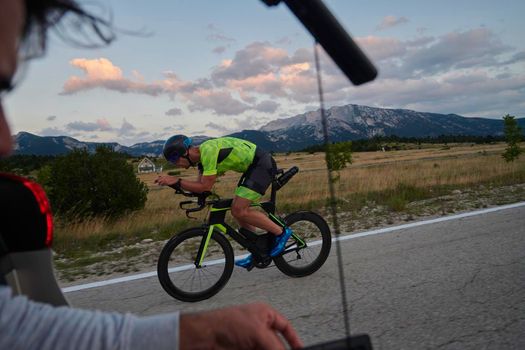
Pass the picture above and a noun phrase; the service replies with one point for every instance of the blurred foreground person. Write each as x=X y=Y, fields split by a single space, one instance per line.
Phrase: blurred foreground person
x=40 y=317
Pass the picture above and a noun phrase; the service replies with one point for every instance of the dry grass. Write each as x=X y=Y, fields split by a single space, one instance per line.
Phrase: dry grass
x=454 y=166
x=380 y=171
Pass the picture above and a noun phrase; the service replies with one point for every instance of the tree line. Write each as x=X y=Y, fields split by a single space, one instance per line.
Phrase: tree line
x=378 y=143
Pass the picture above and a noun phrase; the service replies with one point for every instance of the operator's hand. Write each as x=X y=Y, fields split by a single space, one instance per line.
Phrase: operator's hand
x=252 y=326
x=166 y=180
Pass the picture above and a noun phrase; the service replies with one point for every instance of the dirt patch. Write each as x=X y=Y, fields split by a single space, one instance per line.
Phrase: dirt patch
x=142 y=257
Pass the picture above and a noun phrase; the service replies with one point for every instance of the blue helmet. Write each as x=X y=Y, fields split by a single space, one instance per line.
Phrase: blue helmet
x=176 y=147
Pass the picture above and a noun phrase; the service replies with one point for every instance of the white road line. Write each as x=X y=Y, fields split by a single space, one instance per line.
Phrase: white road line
x=341 y=238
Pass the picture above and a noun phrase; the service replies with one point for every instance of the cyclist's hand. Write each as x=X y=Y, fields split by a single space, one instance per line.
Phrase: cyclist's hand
x=166 y=180
x=252 y=326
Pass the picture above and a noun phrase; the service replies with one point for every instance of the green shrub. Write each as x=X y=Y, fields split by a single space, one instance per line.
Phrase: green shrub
x=513 y=137
x=80 y=184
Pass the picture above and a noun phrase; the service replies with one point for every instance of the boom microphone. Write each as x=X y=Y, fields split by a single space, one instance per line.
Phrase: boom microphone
x=330 y=34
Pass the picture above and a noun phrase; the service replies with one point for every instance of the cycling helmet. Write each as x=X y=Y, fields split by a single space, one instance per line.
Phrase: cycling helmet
x=176 y=147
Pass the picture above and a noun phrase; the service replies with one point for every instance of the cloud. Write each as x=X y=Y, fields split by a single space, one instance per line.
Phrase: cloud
x=219 y=49
x=251 y=122
x=217 y=36
x=53 y=132
x=474 y=93
x=234 y=125
x=221 y=102
x=382 y=48
x=443 y=73
x=255 y=59
x=51 y=118
x=126 y=128
x=457 y=50
x=426 y=56
x=391 y=21
x=99 y=125
x=267 y=106
x=101 y=73
x=516 y=58
x=284 y=41
x=269 y=84
x=220 y=128
x=234 y=86
x=174 y=112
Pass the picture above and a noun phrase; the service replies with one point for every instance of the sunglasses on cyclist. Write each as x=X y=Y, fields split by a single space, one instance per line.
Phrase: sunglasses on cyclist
x=174 y=158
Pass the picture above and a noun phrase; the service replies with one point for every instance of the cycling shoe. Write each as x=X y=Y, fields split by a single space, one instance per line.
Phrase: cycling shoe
x=280 y=242
x=246 y=262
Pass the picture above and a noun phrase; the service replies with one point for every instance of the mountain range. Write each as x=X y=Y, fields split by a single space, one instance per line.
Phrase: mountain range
x=349 y=122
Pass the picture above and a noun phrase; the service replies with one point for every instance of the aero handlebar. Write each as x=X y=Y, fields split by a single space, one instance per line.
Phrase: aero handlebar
x=200 y=200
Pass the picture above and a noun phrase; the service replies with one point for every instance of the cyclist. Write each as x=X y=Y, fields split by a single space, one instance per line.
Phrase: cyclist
x=213 y=158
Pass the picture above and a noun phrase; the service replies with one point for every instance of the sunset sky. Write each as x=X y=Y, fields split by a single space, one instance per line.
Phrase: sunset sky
x=208 y=67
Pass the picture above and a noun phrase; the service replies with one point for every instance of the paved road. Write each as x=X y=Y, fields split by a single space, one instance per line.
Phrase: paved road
x=457 y=284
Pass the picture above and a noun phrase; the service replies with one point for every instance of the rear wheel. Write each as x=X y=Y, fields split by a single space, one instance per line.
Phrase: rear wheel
x=178 y=274
x=308 y=247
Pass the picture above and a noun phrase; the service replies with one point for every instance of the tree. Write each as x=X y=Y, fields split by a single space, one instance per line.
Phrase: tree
x=513 y=138
x=338 y=155
x=102 y=184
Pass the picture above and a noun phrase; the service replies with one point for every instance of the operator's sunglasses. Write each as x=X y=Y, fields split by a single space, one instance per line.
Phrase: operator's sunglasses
x=6 y=85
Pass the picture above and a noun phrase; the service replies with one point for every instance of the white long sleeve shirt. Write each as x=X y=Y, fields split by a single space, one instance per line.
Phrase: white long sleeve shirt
x=25 y=324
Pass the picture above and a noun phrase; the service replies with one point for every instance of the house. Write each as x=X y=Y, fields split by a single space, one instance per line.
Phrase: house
x=147 y=166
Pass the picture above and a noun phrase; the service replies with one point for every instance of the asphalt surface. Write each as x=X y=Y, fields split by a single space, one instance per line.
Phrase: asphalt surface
x=457 y=284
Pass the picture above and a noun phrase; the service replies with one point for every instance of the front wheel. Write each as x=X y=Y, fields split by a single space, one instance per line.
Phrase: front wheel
x=308 y=247
x=178 y=273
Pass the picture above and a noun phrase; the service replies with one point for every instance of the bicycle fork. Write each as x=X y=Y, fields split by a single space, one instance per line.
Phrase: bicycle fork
x=203 y=246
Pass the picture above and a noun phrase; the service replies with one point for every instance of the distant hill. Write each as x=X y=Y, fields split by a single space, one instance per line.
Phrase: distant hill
x=350 y=122
x=27 y=143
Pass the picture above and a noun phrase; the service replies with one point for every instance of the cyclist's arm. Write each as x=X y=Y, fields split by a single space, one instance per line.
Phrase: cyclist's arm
x=203 y=184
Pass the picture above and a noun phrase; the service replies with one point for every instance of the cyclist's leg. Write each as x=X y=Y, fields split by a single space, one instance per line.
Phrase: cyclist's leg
x=256 y=218
x=249 y=217
x=252 y=187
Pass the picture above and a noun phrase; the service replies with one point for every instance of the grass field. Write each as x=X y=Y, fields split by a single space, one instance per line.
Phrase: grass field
x=393 y=178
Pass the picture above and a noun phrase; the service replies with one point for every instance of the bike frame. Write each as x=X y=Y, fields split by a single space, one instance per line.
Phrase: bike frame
x=216 y=221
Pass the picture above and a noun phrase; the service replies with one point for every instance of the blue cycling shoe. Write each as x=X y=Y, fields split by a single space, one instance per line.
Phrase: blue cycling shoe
x=280 y=242
x=246 y=262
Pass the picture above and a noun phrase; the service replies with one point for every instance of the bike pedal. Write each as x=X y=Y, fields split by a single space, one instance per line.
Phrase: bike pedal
x=249 y=268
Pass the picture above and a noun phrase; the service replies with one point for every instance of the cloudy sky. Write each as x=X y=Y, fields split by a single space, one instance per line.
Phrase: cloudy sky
x=215 y=67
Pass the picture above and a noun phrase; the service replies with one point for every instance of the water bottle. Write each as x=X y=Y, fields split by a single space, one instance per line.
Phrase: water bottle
x=284 y=178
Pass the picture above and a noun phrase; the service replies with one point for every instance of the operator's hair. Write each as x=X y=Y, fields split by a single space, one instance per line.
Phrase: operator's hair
x=68 y=20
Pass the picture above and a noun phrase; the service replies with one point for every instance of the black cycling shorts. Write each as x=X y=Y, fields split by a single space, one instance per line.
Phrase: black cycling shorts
x=257 y=177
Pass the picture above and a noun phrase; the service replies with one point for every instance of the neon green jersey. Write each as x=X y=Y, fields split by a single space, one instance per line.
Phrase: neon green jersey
x=226 y=153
